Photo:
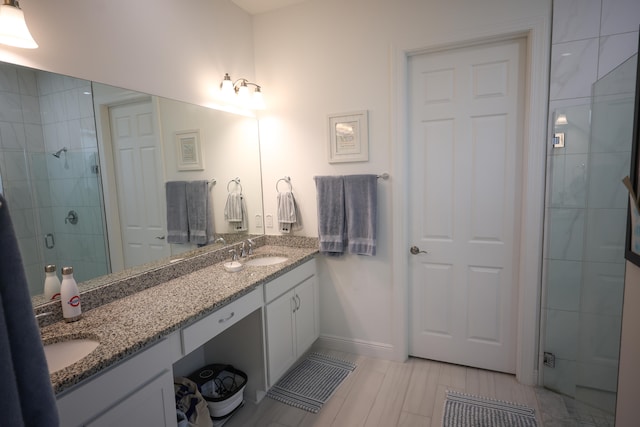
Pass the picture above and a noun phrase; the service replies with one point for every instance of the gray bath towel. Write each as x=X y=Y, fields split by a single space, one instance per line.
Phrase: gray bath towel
x=177 y=219
x=361 y=202
x=26 y=395
x=198 y=216
x=331 y=216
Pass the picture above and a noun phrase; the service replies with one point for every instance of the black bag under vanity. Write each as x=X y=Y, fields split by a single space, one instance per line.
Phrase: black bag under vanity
x=222 y=386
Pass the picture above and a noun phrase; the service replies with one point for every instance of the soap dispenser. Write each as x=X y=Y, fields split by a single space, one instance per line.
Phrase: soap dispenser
x=51 y=283
x=70 y=296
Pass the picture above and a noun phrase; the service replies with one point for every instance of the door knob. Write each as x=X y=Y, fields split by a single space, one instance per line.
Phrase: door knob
x=416 y=250
x=160 y=237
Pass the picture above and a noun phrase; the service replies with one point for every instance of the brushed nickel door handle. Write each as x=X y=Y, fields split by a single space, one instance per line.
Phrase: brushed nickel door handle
x=416 y=250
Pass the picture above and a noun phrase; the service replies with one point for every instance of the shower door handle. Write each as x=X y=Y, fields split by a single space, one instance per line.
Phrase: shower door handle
x=160 y=237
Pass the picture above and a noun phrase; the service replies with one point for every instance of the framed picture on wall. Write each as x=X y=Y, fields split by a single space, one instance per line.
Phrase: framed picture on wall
x=348 y=137
x=189 y=154
x=632 y=247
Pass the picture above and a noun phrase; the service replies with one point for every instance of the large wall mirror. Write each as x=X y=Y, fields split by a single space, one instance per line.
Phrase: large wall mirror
x=83 y=167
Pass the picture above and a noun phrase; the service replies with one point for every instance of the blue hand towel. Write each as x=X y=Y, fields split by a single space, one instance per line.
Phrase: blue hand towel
x=177 y=219
x=361 y=201
x=26 y=395
x=331 y=215
x=197 y=193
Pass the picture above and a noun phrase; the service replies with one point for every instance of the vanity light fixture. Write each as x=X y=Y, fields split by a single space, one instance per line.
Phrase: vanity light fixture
x=13 y=28
x=240 y=88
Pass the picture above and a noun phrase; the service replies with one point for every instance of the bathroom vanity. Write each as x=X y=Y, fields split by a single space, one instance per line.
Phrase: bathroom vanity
x=260 y=319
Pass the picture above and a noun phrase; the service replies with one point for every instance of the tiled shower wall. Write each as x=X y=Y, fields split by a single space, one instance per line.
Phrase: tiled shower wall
x=584 y=284
x=20 y=138
x=66 y=108
x=41 y=113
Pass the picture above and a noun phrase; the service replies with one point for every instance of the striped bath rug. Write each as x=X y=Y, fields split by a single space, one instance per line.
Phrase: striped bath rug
x=464 y=410
x=312 y=382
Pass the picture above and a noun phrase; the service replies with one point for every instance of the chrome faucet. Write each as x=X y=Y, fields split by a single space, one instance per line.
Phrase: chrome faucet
x=250 y=243
x=234 y=254
x=220 y=240
x=243 y=250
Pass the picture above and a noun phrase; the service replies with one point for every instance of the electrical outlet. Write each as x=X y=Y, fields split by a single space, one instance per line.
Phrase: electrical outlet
x=258 y=221
x=269 y=221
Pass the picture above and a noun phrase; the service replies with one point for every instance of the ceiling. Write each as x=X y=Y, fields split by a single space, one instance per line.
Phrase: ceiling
x=255 y=7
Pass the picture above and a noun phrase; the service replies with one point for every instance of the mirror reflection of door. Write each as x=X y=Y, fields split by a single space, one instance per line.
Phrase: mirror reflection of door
x=137 y=158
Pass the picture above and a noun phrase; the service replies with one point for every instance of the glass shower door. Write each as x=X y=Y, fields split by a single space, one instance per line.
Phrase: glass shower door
x=584 y=251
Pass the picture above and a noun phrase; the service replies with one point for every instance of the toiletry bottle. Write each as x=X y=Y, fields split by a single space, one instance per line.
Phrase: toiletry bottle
x=70 y=296
x=51 y=283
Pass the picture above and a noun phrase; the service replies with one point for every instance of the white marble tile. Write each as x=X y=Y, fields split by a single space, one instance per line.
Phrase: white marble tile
x=8 y=78
x=27 y=82
x=599 y=340
x=605 y=185
x=15 y=166
x=575 y=20
x=562 y=378
x=72 y=104
x=25 y=223
x=34 y=137
x=10 y=107
x=612 y=119
x=616 y=49
x=12 y=135
x=30 y=109
x=566 y=233
x=564 y=280
x=568 y=185
x=619 y=16
x=18 y=194
x=574 y=68
x=560 y=337
x=605 y=235
x=603 y=288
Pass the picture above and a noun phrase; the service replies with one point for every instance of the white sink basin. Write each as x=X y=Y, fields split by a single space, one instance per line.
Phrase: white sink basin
x=233 y=266
x=265 y=260
x=62 y=354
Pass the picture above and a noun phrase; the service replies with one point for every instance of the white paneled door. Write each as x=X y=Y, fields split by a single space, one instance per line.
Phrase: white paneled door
x=137 y=153
x=466 y=131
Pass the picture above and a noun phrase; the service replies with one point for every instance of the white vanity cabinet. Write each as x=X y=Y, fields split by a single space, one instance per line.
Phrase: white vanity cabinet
x=138 y=391
x=292 y=318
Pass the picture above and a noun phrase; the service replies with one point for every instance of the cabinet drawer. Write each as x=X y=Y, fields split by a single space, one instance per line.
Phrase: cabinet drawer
x=287 y=281
x=203 y=330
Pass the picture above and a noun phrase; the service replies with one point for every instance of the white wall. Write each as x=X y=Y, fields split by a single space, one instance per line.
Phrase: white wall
x=179 y=50
x=332 y=56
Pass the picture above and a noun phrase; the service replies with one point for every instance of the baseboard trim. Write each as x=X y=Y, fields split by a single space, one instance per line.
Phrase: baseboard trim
x=360 y=347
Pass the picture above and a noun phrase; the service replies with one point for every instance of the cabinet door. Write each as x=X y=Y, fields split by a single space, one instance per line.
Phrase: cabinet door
x=151 y=405
x=280 y=336
x=306 y=315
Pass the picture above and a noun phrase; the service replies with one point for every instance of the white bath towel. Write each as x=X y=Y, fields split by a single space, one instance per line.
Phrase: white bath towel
x=287 y=215
x=235 y=212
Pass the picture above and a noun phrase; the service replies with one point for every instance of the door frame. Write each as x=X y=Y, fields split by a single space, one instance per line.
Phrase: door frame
x=102 y=104
x=536 y=31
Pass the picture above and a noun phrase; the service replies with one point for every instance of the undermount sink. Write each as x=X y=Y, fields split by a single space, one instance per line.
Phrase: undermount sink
x=61 y=354
x=265 y=260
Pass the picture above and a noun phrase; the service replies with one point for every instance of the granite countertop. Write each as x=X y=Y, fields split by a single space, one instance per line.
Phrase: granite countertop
x=135 y=322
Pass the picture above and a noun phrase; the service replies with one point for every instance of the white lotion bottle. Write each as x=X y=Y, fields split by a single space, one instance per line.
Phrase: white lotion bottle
x=51 y=283
x=70 y=296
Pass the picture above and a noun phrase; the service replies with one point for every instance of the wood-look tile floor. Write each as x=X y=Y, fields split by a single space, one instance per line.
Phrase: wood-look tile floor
x=386 y=393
